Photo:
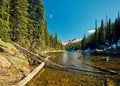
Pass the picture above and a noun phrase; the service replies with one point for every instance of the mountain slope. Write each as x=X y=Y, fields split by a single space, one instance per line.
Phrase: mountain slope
x=71 y=41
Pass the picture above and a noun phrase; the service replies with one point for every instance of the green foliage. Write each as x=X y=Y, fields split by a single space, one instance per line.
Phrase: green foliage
x=23 y=22
x=54 y=43
x=47 y=36
x=4 y=30
x=104 y=36
x=109 y=33
x=83 y=43
x=116 y=27
x=102 y=33
x=96 y=34
x=19 y=21
x=73 y=46
x=4 y=20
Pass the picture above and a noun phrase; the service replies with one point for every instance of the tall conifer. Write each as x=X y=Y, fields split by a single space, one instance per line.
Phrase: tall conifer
x=4 y=20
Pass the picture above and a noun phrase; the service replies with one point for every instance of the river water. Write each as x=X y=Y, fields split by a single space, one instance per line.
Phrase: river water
x=77 y=72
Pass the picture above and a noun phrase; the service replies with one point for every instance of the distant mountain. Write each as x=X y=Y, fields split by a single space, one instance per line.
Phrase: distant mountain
x=71 y=41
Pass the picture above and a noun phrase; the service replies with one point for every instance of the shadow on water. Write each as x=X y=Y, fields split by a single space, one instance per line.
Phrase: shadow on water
x=73 y=69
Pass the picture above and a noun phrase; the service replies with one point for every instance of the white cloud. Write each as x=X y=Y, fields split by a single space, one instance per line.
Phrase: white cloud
x=51 y=16
x=91 y=31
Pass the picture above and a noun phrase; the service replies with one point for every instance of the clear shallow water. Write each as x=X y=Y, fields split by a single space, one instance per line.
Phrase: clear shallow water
x=51 y=76
x=71 y=59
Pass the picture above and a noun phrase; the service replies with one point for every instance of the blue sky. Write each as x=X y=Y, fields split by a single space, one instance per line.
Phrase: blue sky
x=74 y=18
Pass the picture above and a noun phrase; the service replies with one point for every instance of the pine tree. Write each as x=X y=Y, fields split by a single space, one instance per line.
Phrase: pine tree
x=19 y=21
x=32 y=26
x=23 y=22
x=116 y=30
x=37 y=23
x=102 y=33
x=96 y=35
x=47 y=36
x=4 y=20
x=96 y=32
x=118 y=26
x=55 y=40
x=83 y=43
x=51 y=41
x=110 y=31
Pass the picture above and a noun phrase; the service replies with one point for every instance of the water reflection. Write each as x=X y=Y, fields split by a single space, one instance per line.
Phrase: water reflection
x=70 y=58
x=75 y=59
x=65 y=57
x=55 y=77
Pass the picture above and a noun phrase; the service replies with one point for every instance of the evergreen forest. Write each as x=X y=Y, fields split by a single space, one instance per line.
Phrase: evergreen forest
x=23 y=22
x=105 y=35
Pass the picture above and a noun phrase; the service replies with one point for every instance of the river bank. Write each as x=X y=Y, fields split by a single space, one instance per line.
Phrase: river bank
x=52 y=51
x=14 y=65
x=111 y=52
x=102 y=52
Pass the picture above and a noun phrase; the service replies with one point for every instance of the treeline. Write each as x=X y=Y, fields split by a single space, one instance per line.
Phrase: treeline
x=107 y=34
x=73 y=46
x=23 y=22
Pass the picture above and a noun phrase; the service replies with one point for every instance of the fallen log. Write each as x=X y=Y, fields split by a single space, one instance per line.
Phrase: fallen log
x=30 y=76
x=102 y=69
x=40 y=56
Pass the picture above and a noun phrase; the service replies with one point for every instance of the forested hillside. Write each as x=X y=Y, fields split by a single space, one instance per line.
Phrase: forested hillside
x=107 y=34
x=23 y=22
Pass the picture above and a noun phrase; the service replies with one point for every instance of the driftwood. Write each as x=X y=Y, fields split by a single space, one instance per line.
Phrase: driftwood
x=35 y=71
x=40 y=56
x=30 y=76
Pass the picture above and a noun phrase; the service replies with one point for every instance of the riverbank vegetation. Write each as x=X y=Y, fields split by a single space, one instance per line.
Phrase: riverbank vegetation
x=105 y=36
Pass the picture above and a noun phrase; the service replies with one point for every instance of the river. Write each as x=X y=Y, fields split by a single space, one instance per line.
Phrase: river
x=77 y=72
